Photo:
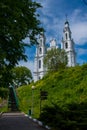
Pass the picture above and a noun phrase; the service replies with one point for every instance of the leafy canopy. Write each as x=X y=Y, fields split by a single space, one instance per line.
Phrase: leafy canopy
x=18 y=20
x=21 y=76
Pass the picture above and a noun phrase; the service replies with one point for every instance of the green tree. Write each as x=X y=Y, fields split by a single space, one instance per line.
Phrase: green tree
x=21 y=75
x=55 y=59
x=18 y=20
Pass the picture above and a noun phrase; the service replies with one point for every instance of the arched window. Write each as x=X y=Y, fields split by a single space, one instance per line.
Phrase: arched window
x=41 y=42
x=66 y=35
x=39 y=64
x=66 y=45
x=39 y=77
x=40 y=50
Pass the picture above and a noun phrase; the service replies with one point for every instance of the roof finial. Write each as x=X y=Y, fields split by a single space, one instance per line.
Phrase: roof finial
x=66 y=22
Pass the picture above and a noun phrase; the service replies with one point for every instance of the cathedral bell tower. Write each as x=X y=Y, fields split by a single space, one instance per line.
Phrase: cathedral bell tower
x=39 y=69
x=68 y=45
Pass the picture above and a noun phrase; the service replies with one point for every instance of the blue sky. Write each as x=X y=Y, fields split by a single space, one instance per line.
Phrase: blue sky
x=53 y=16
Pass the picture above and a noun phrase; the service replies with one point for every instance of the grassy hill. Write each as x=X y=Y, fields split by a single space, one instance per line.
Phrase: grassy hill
x=64 y=87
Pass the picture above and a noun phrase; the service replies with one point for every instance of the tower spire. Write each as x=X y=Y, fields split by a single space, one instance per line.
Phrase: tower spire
x=68 y=45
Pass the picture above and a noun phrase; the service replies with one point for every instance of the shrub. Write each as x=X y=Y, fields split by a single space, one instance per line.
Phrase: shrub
x=72 y=118
x=4 y=92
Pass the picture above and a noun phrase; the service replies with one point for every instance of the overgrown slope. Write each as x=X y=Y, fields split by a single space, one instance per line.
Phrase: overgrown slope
x=64 y=87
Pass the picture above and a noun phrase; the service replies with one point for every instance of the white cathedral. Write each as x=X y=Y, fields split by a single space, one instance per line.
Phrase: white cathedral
x=67 y=44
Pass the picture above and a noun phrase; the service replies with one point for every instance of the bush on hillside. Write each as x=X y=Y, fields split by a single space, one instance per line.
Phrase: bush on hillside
x=72 y=118
x=4 y=92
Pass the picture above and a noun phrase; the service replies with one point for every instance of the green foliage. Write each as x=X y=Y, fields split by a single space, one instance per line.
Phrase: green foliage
x=72 y=118
x=4 y=92
x=67 y=90
x=25 y=94
x=4 y=108
x=3 y=99
x=18 y=20
x=21 y=75
x=55 y=59
x=5 y=77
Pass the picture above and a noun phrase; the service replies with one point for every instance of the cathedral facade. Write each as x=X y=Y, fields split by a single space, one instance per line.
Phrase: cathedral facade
x=67 y=44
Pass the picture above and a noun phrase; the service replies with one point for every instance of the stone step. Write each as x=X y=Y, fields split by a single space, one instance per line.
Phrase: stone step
x=13 y=114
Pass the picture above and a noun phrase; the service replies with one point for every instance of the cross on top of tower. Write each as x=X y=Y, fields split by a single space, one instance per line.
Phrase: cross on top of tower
x=66 y=16
x=66 y=19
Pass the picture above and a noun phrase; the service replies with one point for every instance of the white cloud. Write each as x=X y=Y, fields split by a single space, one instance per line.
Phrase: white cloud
x=79 y=26
x=79 y=32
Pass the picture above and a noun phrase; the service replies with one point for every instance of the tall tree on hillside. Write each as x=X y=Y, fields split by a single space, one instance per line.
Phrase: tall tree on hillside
x=21 y=75
x=55 y=59
x=18 y=20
